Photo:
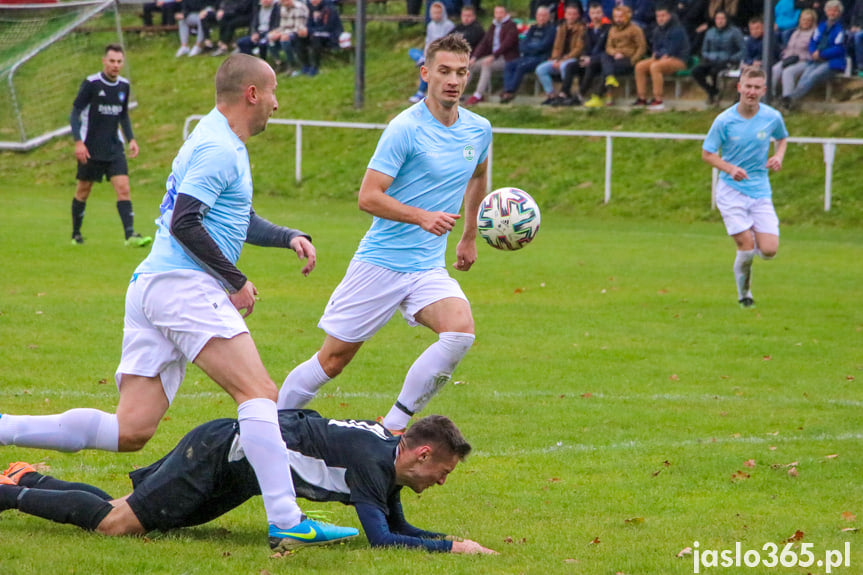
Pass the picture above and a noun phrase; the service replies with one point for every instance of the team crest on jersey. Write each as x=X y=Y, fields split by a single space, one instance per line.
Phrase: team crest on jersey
x=762 y=135
x=468 y=153
x=122 y=96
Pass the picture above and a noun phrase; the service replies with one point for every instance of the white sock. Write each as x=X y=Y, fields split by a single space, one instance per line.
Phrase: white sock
x=73 y=430
x=743 y=272
x=261 y=439
x=302 y=384
x=429 y=373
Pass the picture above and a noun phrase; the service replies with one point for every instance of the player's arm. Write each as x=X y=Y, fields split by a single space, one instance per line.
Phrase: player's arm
x=78 y=107
x=264 y=233
x=717 y=162
x=126 y=126
x=187 y=227
x=374 y=200
x=465 y=251
x=775 y=161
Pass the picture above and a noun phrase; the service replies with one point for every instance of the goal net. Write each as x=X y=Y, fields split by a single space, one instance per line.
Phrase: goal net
x=47 y=47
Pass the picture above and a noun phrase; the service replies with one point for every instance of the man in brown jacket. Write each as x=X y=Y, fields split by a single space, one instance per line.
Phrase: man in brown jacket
x=568 y=45
x=625 y=46
x=498 y=46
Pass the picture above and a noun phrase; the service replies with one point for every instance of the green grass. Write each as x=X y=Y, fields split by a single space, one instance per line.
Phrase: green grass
x=613 y=375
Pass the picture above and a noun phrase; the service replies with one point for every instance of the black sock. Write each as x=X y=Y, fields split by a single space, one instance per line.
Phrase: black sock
x=77 y=215
x=80 y=508
x=9 y=496
x=39 y=481
x=127 y=216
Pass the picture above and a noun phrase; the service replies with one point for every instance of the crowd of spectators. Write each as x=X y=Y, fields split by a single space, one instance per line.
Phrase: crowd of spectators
x=578 y=49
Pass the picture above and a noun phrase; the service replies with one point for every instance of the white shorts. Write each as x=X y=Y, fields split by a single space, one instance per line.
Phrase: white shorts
x=369 y=295
x=741 y=213
x=170 y=317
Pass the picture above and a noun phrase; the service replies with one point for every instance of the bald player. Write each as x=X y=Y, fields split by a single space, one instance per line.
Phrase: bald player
x=184 y=302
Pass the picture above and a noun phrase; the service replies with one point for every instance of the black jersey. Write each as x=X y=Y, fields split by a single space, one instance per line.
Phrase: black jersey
x=99 y=109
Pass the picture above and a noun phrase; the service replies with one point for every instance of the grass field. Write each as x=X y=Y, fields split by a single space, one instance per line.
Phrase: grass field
x=621 y=406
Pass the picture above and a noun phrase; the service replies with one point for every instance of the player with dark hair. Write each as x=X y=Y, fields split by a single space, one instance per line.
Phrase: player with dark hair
x=354 y=462
x=742 y=134
x=102 y=104
x=430 y=159
x=184 y=300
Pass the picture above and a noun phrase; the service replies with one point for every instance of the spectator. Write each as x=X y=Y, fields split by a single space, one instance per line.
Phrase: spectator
x=785 y=18
x=230 y=15
x=589 y=64
x=470 y=28
x=535 y=49
x=168 y=8
x=438 y=27
x=827 y=48
x=670 y=54
x=856 y=32
x=754 y=49
x=323 y=29
x=193 y=15
x=568 y=46
x=795 y=55
x=693 y=17
x=497 y=47
x=722 y=49
x=264 y=28
x=294 y=15
x=624 y=47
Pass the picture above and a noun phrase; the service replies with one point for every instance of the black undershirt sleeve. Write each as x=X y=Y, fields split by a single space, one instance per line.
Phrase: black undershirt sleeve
x=126 y=124
x=379 y=534
x=187 y=227
x=266 y=234
x=78 y=107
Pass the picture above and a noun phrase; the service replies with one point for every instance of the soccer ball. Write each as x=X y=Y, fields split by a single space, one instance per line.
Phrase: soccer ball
x=508 y=219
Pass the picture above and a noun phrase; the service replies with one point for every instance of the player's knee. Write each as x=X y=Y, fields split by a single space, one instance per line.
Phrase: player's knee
x=134 y=439
x=767 y=253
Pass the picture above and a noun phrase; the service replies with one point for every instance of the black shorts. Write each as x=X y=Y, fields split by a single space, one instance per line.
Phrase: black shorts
x=94 y=170
x=194 y=483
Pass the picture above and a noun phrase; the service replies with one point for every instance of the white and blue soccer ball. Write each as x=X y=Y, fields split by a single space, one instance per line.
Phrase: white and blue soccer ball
x=508 y=219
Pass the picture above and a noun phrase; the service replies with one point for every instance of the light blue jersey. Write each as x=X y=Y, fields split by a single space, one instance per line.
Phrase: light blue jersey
x=431 y=165
x=212 y=166
x=746 y=143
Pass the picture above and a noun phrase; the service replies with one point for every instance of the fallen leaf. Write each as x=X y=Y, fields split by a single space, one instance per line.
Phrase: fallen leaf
x=554 y=479
x=798 y=535
x=226 y=553
x=849 y=530
x=507 y=539
x=166 y=418
x=666 y=463
x=831 y=456
x=570 y=560
x=587 y=395
x=766 y=358
x=849 y=377
x=634 y=520
x=102 y=381
x=32 y=346
x=773 y=433
x=40 y=294
x=518 y=290
x=584 y=185
x=848 y=516
x=793 y=472
x=662 y=292
x=749 y=463
x=459 y=383
x=772 y=448
x=595 y=541
x=343 y=404
x=684 y=552
x=657 y=472
x=739 y=475
x=562 y=396
x=735 y=435
x=674 y=377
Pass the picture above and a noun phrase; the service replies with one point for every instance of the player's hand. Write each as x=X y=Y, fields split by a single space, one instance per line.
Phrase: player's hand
x=82 y=154
x=133 y=149
x=305 y=251
x=465 y=254
x=438 y=223
x=774 y=163
x=471 y=548
x=737 y=173
x=244 y=299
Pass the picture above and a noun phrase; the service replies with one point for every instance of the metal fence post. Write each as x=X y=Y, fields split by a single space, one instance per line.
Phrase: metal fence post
x=298 y=154
x=608 y=144
x=829 y=156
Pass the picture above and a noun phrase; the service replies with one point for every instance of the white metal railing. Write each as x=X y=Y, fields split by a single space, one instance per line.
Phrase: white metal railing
x=828 y=145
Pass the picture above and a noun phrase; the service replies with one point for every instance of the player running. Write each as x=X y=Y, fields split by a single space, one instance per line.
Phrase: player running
x=354 y=462
x=429 y=159
x=742 y=133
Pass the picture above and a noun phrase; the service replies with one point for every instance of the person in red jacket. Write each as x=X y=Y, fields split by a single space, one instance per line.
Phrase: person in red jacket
x=498 y=46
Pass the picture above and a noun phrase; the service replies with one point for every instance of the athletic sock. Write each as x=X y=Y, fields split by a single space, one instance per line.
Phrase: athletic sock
x=302 y=384
x=80 y=508
x=743 y=273
x=78 y=208
x=72 y=430
x=429 y=373
x=127 y=216
x=9 y=496
x=261 y=440
x=39 y=481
